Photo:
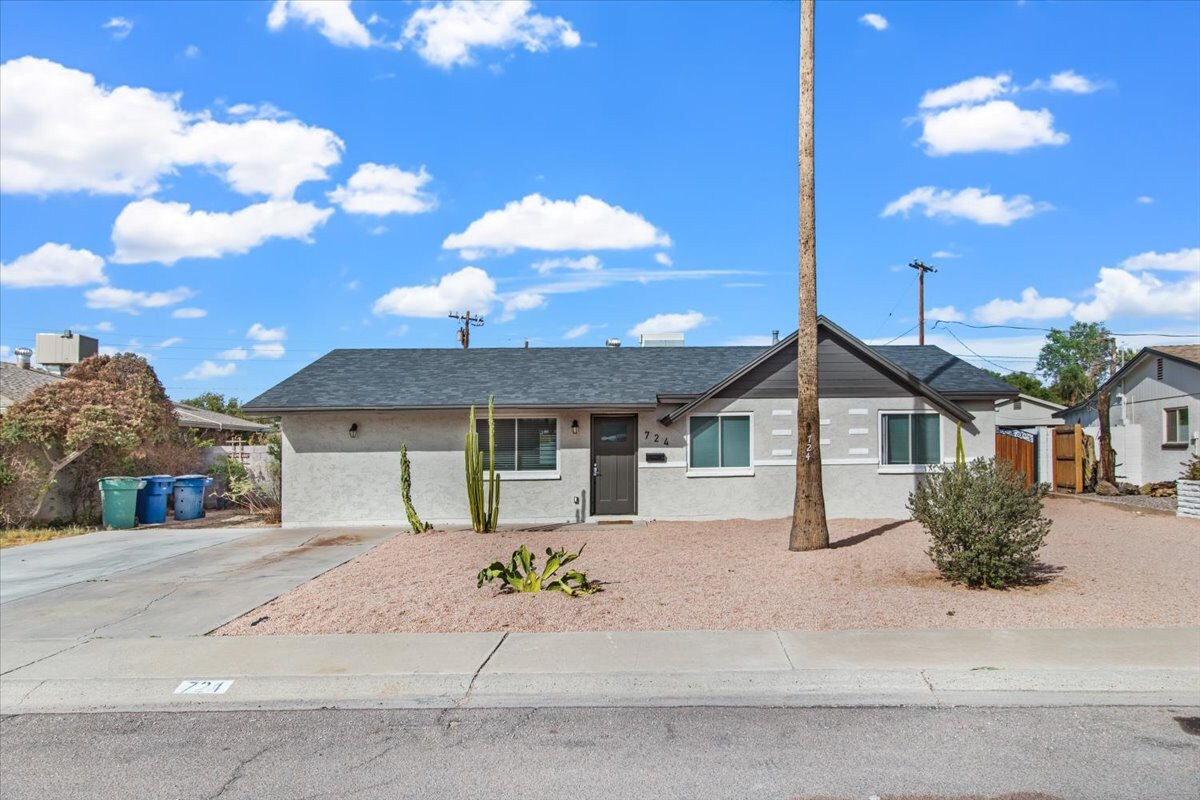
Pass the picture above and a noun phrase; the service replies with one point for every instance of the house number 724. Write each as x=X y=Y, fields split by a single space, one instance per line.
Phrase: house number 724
x=657 y=439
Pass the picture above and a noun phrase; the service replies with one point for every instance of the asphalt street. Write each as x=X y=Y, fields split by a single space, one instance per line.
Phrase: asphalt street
x=643 y=753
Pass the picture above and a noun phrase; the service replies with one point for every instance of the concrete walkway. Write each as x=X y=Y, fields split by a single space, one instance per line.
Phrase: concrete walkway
x=167 y=583
x=734 y=668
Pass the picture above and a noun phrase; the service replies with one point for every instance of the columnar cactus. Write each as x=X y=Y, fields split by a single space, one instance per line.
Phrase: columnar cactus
x=484 y=516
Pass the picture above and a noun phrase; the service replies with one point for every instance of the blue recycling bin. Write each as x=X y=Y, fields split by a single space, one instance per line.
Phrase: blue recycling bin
x=189 y=496
x=152 y=499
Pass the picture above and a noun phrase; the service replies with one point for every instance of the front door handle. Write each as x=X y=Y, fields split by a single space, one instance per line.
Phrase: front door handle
x=596 y=469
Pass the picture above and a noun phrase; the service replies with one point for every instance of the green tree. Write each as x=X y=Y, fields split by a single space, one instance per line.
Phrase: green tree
x=212 y=401
x=1073 y=385
x=1028 y=384
x=114 y=402
x=1085 y=346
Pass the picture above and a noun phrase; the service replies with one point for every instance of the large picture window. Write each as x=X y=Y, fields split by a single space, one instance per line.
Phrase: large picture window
x=911 y=439
x=1178 y=429
x=522 y=445
x=720 y=442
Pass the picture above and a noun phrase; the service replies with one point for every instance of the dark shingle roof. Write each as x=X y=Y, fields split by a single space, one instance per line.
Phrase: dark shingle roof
x=517 y=376
x=949 y=374
x=17 y=383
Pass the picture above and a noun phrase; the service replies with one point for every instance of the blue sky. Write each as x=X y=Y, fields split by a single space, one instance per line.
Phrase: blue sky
x=234 y=189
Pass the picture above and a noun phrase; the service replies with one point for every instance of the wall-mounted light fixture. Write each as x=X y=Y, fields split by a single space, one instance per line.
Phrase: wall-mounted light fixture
x=575 y=426
x=354 y=430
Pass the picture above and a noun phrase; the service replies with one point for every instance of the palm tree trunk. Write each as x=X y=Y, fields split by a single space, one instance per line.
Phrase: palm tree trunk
x=809 y=531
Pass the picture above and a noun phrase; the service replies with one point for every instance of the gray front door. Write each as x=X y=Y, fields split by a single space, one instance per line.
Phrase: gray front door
x=614 y=465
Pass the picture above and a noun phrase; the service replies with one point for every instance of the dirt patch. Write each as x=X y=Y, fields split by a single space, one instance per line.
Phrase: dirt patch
x=1102 y=568
x=334 y=541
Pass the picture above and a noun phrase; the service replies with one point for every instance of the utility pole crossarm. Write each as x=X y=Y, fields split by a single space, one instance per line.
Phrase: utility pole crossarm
x=921 y=269
x=468 y=321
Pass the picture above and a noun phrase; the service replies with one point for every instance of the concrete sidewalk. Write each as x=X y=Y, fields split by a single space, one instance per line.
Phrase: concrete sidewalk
x=736 y=668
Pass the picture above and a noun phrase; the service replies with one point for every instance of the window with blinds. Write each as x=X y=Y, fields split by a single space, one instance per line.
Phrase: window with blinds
x=522 y=445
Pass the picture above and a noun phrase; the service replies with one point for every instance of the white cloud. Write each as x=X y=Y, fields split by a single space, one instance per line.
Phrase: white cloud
x=947 y=313
x=1031 y=306
x=976 y=205
x=876 y=21
x=972 y=90
x=445 y=34
x=670 y=323
x=381 y=189
x=587 y=263
x=261 y=333
x=1121 y=293
x=104 y=327
x=61 y=132
x=1070 y=82
x=191 y=51
x=468 y=288
x=378 y=230
x=577 y=331
x=130 y=302
x=234 y=354
x=998 y=126
x=268 y=350
x=536 y=223
x=664 y=259
x=1145 y=199
x=120 y=27
x=945 y=254
x=169 y=342
x=209 y=369
x=150 y=230
x=351 y=285
x=521 y=301
x=189 y=313
x=333 y=19
x=53 y=265
x=1186 y=260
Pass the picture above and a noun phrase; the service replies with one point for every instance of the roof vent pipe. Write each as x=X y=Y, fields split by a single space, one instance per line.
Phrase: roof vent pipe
x=774 y=337
x=612 y=342
x=23 y=355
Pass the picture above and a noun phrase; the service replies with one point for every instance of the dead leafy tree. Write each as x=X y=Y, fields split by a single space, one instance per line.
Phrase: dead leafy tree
x=809 y=529
x=109 y=403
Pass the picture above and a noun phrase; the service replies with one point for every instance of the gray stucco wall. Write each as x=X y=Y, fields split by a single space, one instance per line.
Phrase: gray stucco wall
x=331 y=479
x=1137 y=416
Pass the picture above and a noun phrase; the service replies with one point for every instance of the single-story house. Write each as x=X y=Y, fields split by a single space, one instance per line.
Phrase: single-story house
x=1032 y=419
x=622 y=433
x=1154 y=413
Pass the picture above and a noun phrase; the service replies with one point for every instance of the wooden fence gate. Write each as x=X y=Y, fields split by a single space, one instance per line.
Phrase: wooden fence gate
x=1068 y=458
x=1018 y=448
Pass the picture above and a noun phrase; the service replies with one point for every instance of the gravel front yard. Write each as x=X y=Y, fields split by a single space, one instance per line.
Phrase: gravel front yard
x=1104 y=567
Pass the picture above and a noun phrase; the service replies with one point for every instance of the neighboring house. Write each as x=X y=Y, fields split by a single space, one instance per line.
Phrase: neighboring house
x=17 y=383
x=1032 y=417
x=622 y=433
x=1154 y=412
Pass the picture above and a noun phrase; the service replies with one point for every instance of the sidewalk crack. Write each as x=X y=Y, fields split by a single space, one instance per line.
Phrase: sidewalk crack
x=43 y=658
x=786 y=654
x=471 y=686
x=94 y=631
x=929 y=683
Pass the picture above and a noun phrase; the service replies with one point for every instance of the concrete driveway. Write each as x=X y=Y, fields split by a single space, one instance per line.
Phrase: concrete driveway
x=161 y=583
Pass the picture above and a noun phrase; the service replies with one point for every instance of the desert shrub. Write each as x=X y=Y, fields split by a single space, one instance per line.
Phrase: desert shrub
x=1191 y=469
x=261 y=495
x=521 y=574
x=985 y=526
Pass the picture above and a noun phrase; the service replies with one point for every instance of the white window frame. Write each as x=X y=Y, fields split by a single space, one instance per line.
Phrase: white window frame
x=719 y=472
x=907 y=469
x=1176 y=442
x=529 y=474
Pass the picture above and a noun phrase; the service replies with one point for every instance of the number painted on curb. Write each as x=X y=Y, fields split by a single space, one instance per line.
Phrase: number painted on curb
x=203 y=687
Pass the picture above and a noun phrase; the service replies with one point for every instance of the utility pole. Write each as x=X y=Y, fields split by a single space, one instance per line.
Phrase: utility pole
x=464 y=332
x=921 y=269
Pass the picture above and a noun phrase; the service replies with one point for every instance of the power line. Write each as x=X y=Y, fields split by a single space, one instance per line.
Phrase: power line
x=1048 y=330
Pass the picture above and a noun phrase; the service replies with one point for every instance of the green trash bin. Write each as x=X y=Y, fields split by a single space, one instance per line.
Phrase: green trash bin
x=118 y=497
